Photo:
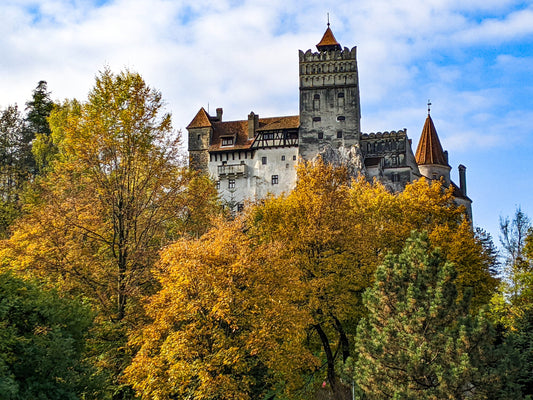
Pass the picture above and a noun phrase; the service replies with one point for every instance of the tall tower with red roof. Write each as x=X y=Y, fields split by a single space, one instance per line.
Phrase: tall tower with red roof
x=330 y=111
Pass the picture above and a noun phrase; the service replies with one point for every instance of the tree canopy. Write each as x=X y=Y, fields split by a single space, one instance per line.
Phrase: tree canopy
x=418 y=341
x=42 y=341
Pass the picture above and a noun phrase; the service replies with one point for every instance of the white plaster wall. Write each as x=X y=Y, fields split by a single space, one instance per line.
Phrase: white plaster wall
x=257 y=183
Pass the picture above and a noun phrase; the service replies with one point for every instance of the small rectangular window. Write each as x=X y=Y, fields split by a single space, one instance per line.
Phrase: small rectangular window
x=317 y=119
x=341 y=118
x=320 y=135
x=240 y=207
x=293 y=158
x=274 y=179
x=227 y=141
x=340 y=95
x=282 y=158
x=339 y=134
x=263 y=160
x=217 y=184
x=231 y=184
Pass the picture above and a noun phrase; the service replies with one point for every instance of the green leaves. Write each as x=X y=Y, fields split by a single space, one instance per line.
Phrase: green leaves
x=41 y=342
x=419 y=341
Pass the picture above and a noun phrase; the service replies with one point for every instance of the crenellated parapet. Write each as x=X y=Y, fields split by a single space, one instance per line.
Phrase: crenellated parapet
x=402 y=133
x=328 y=68
x=335 y=55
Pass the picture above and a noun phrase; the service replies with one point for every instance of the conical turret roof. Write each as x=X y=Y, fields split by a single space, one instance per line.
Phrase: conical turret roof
x=201 y=120
x=328 y=42
x=429 y=149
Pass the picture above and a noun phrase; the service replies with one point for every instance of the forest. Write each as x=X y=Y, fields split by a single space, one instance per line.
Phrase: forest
x=123 y=275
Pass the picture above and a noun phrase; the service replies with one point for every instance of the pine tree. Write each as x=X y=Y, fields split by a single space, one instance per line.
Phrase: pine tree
x=38 y=143
x=418 y=341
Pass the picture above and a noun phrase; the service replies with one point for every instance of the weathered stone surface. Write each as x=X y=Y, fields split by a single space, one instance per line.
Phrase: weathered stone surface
x=351 y=158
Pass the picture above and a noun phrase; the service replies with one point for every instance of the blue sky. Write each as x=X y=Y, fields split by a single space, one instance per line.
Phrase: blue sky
x=473 y=59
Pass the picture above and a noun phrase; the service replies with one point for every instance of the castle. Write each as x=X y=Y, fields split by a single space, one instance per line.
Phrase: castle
x=249 y=159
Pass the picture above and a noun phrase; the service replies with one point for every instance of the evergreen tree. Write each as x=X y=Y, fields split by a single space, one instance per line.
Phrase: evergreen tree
x=418 y=341
x=38 y=110
x=42 y=338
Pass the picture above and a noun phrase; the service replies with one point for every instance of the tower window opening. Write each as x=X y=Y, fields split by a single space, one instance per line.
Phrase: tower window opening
x=317 y=119
x=320 y=135
x=339 y=134
x=275 y=179
x=341 y=94
x=341 y=118
x=316 y=97
x=231 y=184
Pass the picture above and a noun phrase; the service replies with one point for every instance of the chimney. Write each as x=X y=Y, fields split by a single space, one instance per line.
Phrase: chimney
x=446 y=156
x=462 y=179
x=219 y=114
x=253 y=123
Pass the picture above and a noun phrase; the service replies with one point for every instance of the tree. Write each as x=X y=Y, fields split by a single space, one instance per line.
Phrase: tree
x=113 y=195
x=337 y=231
x=42 y=340
x=418 y=341
x=512 y=238
x=208 y=338
x=102 y=212
x=38 y=131
x=12 y=174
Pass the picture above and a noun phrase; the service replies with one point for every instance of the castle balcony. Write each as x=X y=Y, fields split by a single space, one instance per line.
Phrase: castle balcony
x=231 y=170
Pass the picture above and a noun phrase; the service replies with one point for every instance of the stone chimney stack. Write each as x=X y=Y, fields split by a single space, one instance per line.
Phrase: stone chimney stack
x=219 y=114
x=253 y=124
x=462 y=178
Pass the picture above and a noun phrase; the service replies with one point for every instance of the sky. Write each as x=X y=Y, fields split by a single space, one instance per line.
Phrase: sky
x=473 y=59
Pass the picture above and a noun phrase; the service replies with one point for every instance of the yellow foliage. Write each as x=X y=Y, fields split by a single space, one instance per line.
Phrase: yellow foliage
x=210 y=334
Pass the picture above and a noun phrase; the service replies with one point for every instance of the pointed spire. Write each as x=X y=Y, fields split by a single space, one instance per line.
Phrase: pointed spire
x=429 y=149
x=201 y=120
x=328 y=41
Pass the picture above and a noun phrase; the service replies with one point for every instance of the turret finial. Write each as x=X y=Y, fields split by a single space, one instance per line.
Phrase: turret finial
x=328 y=20
x=429 y=106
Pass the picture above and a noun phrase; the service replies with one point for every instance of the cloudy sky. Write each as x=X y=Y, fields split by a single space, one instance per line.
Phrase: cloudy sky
x=472 y=58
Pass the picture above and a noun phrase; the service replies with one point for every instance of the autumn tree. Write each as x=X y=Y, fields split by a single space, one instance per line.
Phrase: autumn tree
x=418 y=341
x=113 y=195
x=216 y=319
x=336 y=231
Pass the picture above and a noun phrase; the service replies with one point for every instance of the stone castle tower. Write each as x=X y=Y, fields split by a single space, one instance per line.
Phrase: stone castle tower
x=330 y=112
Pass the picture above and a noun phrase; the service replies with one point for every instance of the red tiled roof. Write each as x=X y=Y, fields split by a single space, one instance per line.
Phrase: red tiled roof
x=201 y=120
x=328 y=41
x=278 y=123
x=239 y=130
x=429 y=149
